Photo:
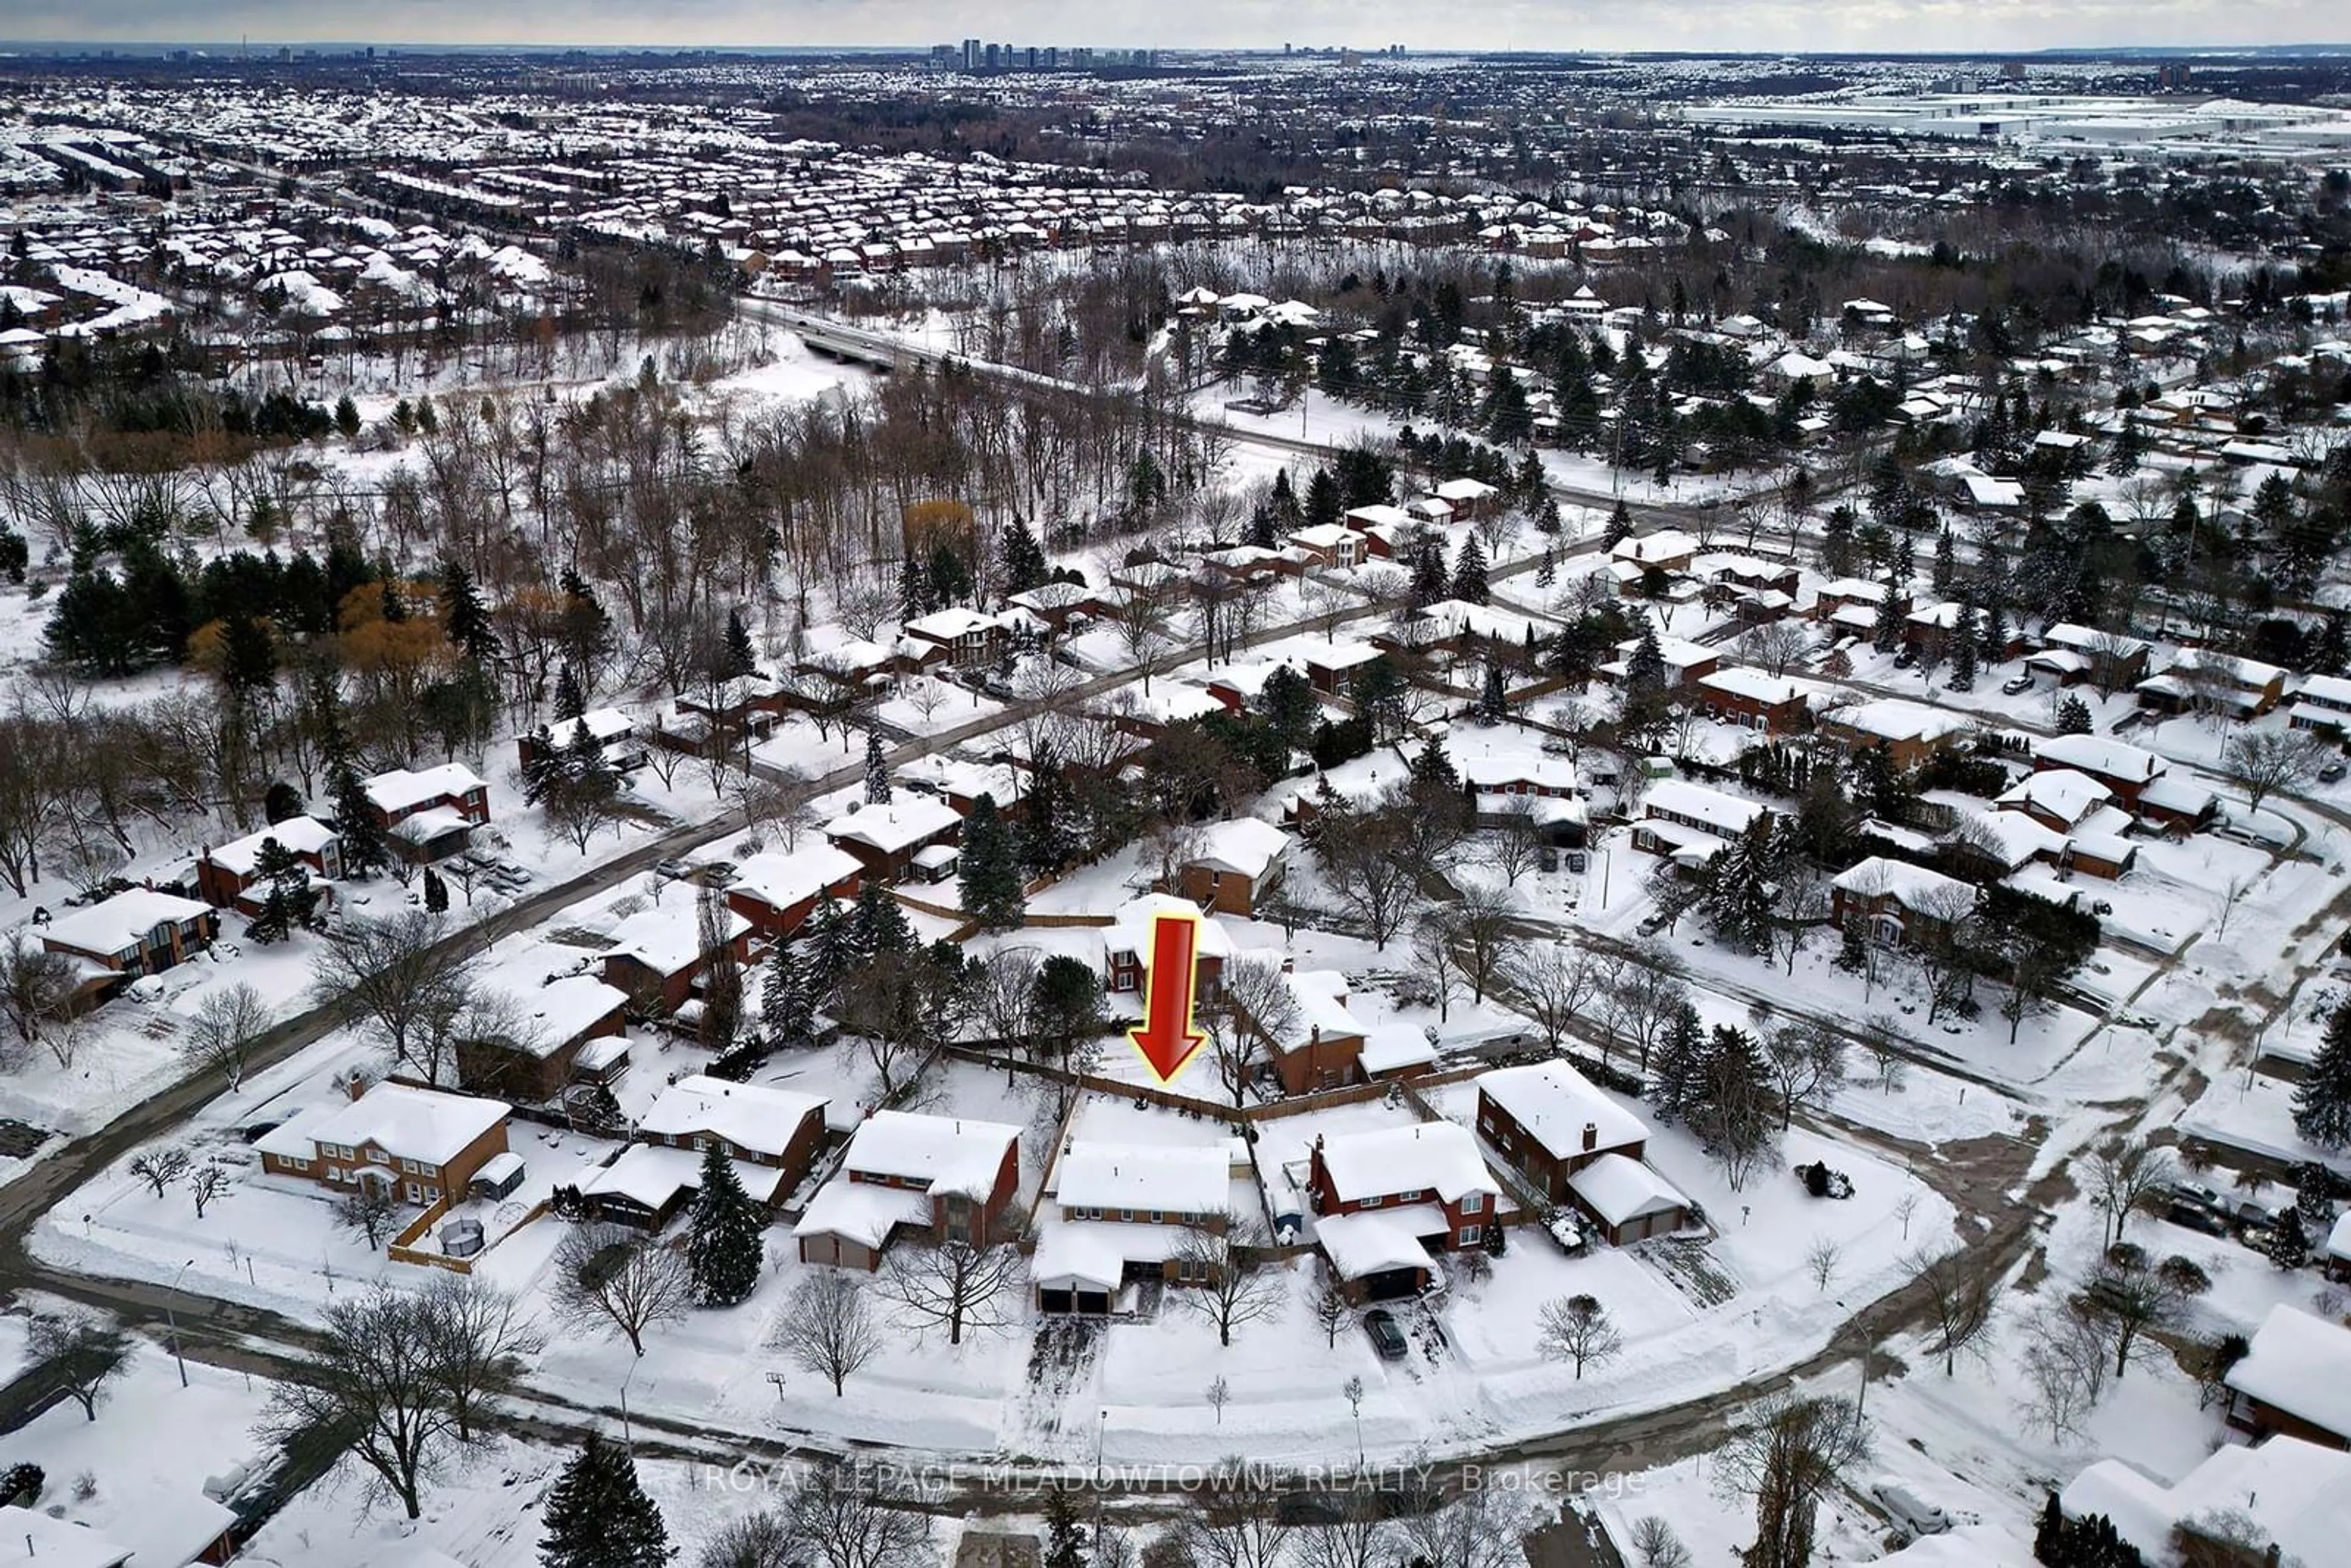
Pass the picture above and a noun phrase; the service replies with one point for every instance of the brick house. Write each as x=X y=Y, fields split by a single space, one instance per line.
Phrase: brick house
x=946 y=1178
x=428 y=815
x=1907 y=732
x=1681 y=819
x=886 y=839
x=613 y=732
x=1322 y=1046
x=120 y=939
x=1124 y=1213
x=770 y=1136
x=1384 y=1200
x=1900 y=905
x=223 y=874
x=1548 y=1120
x=424 y=1144
x=2323 y=703
x=1235 y=864
x=776 y=891
x=2295 y=1381
x=2124 y=769
x=1749 y=699
x=1126 y=944
x=557 y=1025
x=2202 y=677
x=964 y=637
x=657 y=956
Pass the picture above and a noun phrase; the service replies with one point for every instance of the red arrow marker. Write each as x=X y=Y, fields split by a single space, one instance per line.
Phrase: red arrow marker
x=1167 y=1039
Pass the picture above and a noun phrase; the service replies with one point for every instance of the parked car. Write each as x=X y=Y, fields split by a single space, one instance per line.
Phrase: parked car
x=1386 y=1338
x=2197 y=1217
x=672 y=870
x=1905 y=659
x=1908 y=1509
x=2016 y=684
x=2330 y=774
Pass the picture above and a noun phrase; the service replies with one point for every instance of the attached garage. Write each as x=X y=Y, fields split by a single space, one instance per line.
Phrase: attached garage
x=1051 y=1299
x=1077 y=1268
x=849 y=1223
x=1628 y=1200
x=1378 y=1257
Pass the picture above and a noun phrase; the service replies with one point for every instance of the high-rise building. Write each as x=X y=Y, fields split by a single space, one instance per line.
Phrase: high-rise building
x=971 y=53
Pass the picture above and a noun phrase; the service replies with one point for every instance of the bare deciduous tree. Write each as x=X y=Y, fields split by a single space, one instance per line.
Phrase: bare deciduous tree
x=78 y=1353
x=1224 y=1279
x=610 y=1275
x=206 y=1183
x=1235 y=1521
x=2265 y=762
x=1578 y=1330
x=858 y=1516
x=1821 y=1261
x=1807 y=1062
x=1557 y=984
x=478 y=1338
x=222 y=1034
x=960 y=1282
x=828 y=1329
x=1787 y=1455
x=1655 y=1545
x=400 y=976
x=1962 y=1299
x=2121 y=1176
x=369 y=1385
x=161 y=1169
x=372 y=1209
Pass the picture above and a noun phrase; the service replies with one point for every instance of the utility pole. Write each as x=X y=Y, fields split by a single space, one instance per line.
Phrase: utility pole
x=171 y=1319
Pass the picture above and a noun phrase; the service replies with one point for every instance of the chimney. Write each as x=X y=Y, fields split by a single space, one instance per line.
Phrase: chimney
x=357 y=1085
x=1591 y=1136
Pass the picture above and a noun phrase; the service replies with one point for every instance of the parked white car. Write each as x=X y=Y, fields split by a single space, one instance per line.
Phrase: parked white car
x=1908 y=1509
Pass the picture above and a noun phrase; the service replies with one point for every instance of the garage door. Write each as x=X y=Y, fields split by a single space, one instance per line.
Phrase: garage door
x=1056 y=1302
x=1093 y=1301
x=1391 y=1284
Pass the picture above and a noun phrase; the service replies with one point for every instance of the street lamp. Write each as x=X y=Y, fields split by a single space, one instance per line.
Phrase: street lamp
x=1101 y=1431
x=628 y=1440
x=171 y=1319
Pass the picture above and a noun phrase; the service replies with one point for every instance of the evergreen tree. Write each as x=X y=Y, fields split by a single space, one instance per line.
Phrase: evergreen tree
x=2289 y=1245
x=436 y=893
x=723 y=1245
x=1675 y=1068
x=914 y=598
x=280 y=802
x=786 y=1002
x=832 y=948
x=1291 y=707
x=742 y=659
x=876 y=924
x=1323 y=501
x=1379 y=692
x=364 y=849
x=1046 y=828
x=2073 y=715
x=248 y=658
x=598 y=1516
x=1065 y=1537
x=1963 y=650
x=2314 y=1196
x=1432 y=772
x=2049 y=1535
x=2321 y=1101
x=1547 y=569
x=1430 y=580
x=1947 y=563
x=1493 y=697
x=1020 y=560
x=992 y=894
x=347 y=417
x=1888 y=630
x=1470 y=576
x=569 y=701
x=463 y=617
x=877 y=771
x=1620 y=526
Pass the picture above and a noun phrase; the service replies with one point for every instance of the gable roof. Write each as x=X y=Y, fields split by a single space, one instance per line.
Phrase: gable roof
x=748 y=1115
x=1425 y=1156
x=1182 y=1178
x=409 y=1123
x=2300 y=1364
x=950 y=1153
x=1553 y=1103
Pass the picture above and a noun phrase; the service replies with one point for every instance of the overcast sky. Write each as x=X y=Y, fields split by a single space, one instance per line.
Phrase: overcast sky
x=1968 y=25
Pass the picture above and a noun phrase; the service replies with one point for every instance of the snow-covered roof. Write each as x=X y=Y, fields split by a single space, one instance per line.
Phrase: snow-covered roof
x=1554 y=1104
x=603 y=724
x=561 y=1010
x=1464 y=490
x=947 y=625
x=403 y=789
x=1891 y=718
x=782 y=879
x=908 y=819
x=1171 y=1178
x=1131 y=924
x=754 y=1116
x=2091 y=640
x=59 y=1543
x=668 y=939
x=296 y=835
x=1426 y=1156
x=2296 y=1493
x=1666 y=544
x=1372 y=1242
x=950 y=1154
x=122 y=921
x=1914 y=887
x=1681 y=798
x=865 y=1212
x=408 y=1122
x=1753 y=684
x=1245 y=846
x=2300 y=1364
x=2064 y=793
x=653 y=1175
x=2101 y=755
x=2338 y=1240
x=1619 y=1188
